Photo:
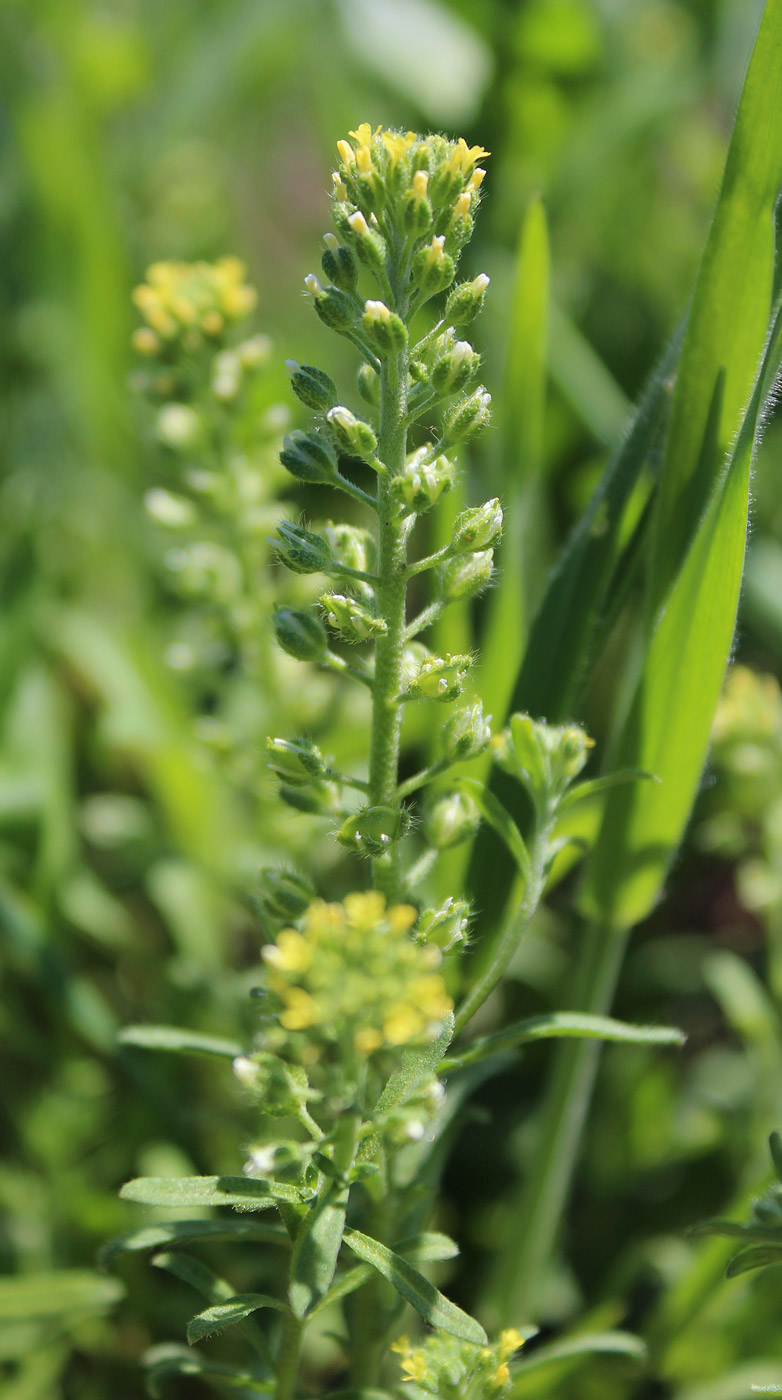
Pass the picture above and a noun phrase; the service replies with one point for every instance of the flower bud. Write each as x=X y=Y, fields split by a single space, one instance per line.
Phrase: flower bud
x=339 y=264
x=433 y=268
x=466 y=300
x=422 y=483
x=295 y=761
x=465 y=576
x=351 y=435
x=350 y=619
x=417 y=214
x=352 y=546
x=477 y=529
x=385 y=331
x=316 y=800
x=283 y=894
x=368 y=242
x=467 y=733
x=373 y=830
x=300 y=550
x=280 y=1087
x=467 y=416
x=451 y=819
x=179 y=427
x=308 y=457
x=300 y=634
x=175 y=512
x=446 y=926
x=335 y=307
x=439 y=678
x=313 y=386
x=455 y=369
x=545 y=757
x=369 y=385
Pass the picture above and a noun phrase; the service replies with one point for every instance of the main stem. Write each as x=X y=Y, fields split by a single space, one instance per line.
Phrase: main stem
x=538 y=1215
x=391 y=598
x=288 y=1362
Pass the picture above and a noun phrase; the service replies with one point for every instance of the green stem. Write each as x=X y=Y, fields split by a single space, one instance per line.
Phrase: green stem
x=391 y=599
x=537 y=1216
x=288 y=1360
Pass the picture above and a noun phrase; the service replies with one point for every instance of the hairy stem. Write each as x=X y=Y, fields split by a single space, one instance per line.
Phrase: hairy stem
x=288 y=1361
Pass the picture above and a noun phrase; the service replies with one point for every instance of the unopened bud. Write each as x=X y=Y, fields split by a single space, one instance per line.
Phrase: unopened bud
x=466 y=300
x=477 y=529
x=433 y=268
x=369 y=385
x=422 y=483
x=369 y=243
x=283 y=895
x=385 y=331
x=451 y=819
x=453 y=370
x=439 y=678
x=352 y=546
x=350 y=619
x=295 y=761
x=465 y=576
x=467 y=733
x=308 y=457
x=313 y=386
x=467 y=416
x=446 y=926
x=339 y=264
x=335 y=307
x=351 y=434
x=301 y=550
x=373 y=830
x=300 y=634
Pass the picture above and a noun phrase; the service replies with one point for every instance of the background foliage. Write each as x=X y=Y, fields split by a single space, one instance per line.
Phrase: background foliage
x=130 y=833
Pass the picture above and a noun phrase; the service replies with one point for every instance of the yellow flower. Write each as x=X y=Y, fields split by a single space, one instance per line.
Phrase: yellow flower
x=397 y=145
x=364 y=134
x=414 y=1366
x=300 y=1011
x=509 y=1341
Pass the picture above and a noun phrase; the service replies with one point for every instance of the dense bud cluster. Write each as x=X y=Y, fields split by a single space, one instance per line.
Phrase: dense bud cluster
x=450 y=1369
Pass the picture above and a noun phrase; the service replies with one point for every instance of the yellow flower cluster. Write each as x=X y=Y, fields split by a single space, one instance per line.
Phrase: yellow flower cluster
x=190 y=302
x=750 y=708
x=449 y=1368
x=352 y=976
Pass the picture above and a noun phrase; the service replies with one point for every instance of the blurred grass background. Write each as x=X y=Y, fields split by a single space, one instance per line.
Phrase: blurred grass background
x=137 y=131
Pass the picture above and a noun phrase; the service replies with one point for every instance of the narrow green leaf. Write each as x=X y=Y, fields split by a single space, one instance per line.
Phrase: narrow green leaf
x=251 y=1193
x=559 y=1024
x=595 y=786
x=56 y=1294
x=346 y=1284
x=168 y=1359
x=572 y=1348
x=428 y=1248
x=757 y=1256
x=195 y=1273
x=185 y=1042
x=499 y=818
x=182 y=1231
x=433 y=1306
x=416 y=1067
x=317 y=1247
x=227 y=1314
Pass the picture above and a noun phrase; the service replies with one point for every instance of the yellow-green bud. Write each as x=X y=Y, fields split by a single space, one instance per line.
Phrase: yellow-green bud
x=295 y=761
x=179 y=427
x=467 y=733
x=445 y=926
x=350 y=619
x=465 y=576
x=453 y=370
x=385 y=331
x=368 y=242
x=451 y=819
x=335 y=307
x=313 y=386
x=316 y=800
x=255 y=352
x=439 y=678
x=477 y=529
x=283 y=895
x=545 y=757
x=467 y=416
x=339 y=264
x=300 y=550
x=351 y=434
x=466 y=300
x=422 y=483
x=308 y=457
x=373 y=830
x=369 y=385
x=433 y=268
x=175 y=512
x=417 y=215
x=300 y=634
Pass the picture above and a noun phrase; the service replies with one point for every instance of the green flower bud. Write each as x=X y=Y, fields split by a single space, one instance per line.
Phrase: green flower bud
x=335 y=307
x=439 y=678
x=433 y=268
x=352 y=546
x=369 y=385
x=451 y=819
x=445 y=926
x=465 y=576
x=369 y=243
x=544 y=757
x=466 y=417
x=477 y=529
x=351 y=434
x=373 y=830
x=466 y=300
x=445 y=184
x=455 y=369
x=422 y=483
x=350 y=619
x=295 y=761
x=316 y=800
x=308 y=457
x=385 y=331
x=313 y=386
x=467 y=733
x=300 y=634
x=179 y=427
x=283 y=895
x=339 y=264
x=281 y=1088
x=302 y=551
x=175 y=512
x=417 y=214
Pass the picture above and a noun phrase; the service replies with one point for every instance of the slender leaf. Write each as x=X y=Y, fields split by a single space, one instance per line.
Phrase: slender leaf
x=596 y=786
x=56 y=1294
x=182 y=1231
x=180 y=1041
x=429 y=1247
x=499 y=818
x=251 y=1193
x=757 y=1256
x=416 y=1067
x=169 y=1359
x=197 y=1274
x=227 y=1314
x=585 y=381
x=572 y=1348
x=558 y=1024
x=316 y=1249
x=433 y=1306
